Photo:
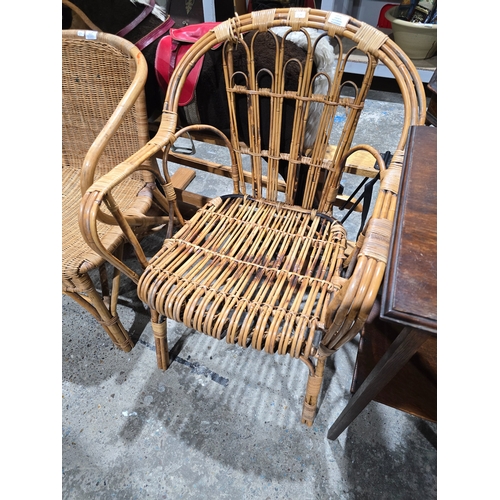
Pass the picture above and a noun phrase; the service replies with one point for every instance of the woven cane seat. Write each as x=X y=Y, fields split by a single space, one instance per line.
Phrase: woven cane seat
x=256 y=273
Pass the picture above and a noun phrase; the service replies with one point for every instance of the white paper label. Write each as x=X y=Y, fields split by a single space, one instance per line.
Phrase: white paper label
x=338 y=19
x=90 y=35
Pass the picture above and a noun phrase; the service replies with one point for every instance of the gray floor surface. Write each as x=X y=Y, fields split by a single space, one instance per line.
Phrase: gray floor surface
x=224 y=422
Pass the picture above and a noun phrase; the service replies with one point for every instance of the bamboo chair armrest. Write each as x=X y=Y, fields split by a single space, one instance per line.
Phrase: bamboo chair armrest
x=164 y=136
x=87 y=219
x=101 y=192
x=350 y=308
x=377 y=157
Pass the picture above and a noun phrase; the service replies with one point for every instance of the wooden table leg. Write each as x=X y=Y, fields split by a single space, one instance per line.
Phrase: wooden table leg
x=401 y=350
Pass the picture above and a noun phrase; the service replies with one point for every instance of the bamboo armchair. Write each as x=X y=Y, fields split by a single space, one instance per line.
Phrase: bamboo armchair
x=253 y=267
x=104 y=121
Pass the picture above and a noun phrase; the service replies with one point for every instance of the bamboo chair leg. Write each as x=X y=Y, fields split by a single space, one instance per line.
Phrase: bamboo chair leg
x=161 y=344
x=115 y=286
x=105 y=292
x=110 y=323
x=312 y=392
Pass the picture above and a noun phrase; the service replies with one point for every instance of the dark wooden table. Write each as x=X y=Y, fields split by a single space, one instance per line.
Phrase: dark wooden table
x=431 y=118
x=409 y=293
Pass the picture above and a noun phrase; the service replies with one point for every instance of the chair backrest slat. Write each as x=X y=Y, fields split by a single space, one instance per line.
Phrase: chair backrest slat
x=284 y=117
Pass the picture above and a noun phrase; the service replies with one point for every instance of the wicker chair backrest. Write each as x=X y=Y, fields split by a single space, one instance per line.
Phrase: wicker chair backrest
x=283 y=117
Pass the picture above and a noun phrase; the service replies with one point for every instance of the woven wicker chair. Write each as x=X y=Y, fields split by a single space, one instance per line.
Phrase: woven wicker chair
x=252 y=266
x=103 y=122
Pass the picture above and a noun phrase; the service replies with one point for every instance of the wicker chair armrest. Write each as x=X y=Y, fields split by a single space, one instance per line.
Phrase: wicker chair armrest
x=138 y=161
x=101 y=192
x=369 y=149
x=349 y=310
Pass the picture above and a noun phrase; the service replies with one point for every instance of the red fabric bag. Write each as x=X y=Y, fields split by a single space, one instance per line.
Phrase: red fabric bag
x=171 y=50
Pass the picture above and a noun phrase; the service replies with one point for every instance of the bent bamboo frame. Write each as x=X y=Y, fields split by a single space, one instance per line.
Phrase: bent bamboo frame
x=248 y=267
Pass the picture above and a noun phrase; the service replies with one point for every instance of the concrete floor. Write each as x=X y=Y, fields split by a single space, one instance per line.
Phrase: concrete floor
x=223 y=422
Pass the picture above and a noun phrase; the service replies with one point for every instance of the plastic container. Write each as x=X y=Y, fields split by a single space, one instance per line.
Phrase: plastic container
x=418 y=40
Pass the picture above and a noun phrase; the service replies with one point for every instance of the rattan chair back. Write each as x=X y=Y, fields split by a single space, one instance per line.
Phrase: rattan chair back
x=318 y=108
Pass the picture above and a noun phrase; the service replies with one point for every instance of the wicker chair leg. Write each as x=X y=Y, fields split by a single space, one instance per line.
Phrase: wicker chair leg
x=161 y=344
x=110 y=324
x=312 y=392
